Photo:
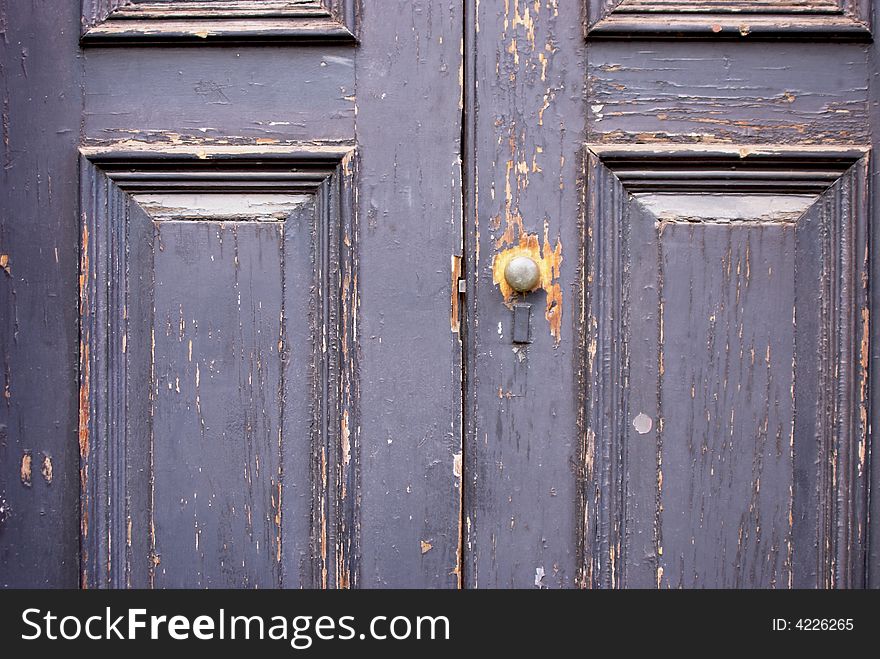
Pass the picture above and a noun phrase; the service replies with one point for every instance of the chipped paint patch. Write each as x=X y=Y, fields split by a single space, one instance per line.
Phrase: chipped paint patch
x=25 y=469
x=46 y=469
x=454 y=313
x=643 y=423
x=426 y=546
x=346 y=439
x=549 y=260
x=84 y=396
x=539 y=577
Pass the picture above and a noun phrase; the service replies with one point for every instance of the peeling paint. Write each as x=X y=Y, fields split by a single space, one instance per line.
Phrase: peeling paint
x=346 y=443
x=25 y=469
x=549 y=260
x=455 y=313
x=46 y=469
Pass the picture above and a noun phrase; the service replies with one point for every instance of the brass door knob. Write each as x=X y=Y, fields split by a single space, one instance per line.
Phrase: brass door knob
x=522 y=274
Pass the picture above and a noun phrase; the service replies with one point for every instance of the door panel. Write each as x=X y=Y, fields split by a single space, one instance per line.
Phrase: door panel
x=727 y=93
x=291 y=94
x=215 y=377
x=240 y=421
x=728 y=294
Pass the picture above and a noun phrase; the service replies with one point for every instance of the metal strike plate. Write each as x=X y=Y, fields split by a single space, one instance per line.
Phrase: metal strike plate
x=522 y=322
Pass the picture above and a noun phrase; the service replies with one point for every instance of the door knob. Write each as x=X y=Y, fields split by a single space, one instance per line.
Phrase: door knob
x=522 y=274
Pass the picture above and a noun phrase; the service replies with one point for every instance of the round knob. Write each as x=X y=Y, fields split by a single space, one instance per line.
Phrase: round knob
x=522 y=274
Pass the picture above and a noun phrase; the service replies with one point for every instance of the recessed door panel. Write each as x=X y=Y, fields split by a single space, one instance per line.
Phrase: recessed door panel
x=215 y=443
x=725 y=401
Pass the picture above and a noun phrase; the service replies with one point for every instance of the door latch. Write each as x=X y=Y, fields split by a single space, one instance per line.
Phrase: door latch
x=522 y=321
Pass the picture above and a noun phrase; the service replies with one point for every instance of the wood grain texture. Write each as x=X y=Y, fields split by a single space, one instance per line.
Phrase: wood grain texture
x=731 y=93
x=520 y=457
x=601 y=421
x=736 y=19
x=40 y=102
x=409 y=132
x=126 y=21
x=726 y=403
x=217 y=410
x=725 y=424
x=218 y=351
x=831 y=517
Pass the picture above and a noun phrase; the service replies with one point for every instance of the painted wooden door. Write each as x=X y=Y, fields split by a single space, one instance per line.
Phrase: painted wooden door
x=258 y=202
x=691 y=408
x=256 y=329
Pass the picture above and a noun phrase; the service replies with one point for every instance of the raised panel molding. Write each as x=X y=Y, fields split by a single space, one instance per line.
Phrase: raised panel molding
x=314 y=367
x=121 y=21
x=732 y=19
x=651 y=212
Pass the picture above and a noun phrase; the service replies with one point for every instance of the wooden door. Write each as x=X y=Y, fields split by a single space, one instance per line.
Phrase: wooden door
x=227 y=235
x=690 y=406
x=256 y=329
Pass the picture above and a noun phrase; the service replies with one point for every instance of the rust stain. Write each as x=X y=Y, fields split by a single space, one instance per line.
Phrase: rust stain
x=4 y=264
x=454 y=314
x=549 y=260
x=46 y=469
x=25 y=471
